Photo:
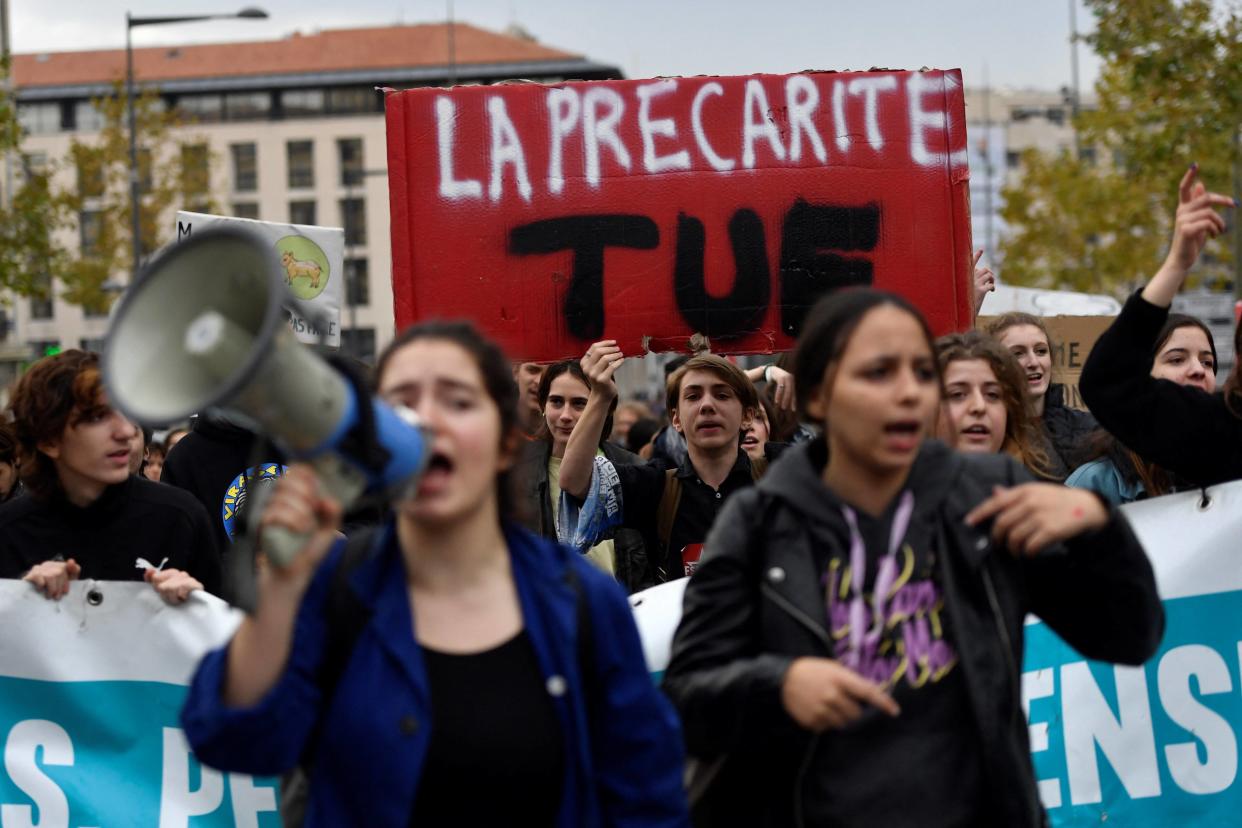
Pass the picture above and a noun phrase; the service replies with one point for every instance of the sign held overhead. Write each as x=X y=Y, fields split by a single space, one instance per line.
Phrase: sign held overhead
x=646 y=211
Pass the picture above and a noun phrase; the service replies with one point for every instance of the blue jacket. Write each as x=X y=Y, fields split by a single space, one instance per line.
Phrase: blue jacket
x=623 y=769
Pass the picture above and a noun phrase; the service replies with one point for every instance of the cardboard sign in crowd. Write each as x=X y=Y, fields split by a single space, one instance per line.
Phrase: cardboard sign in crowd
x=649 y=210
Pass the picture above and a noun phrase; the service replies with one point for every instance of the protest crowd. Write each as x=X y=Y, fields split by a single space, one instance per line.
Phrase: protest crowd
x=864 y=524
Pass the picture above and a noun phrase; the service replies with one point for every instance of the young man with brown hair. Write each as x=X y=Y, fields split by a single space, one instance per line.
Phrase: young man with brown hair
x=85 y=515
x=709 y=400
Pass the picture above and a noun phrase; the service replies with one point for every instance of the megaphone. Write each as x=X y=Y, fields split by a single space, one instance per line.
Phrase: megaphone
x=203 y=327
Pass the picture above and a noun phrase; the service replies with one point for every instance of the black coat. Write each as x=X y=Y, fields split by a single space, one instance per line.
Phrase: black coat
x=130 y=520
x=756 y=604
x=536 y=506
x=1180 y=428
x=1069 y=432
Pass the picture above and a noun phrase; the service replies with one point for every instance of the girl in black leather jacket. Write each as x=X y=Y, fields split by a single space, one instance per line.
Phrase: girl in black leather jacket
x=851 y=643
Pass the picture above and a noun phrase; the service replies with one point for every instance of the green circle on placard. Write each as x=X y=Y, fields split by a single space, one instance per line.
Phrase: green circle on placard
x=304 y=266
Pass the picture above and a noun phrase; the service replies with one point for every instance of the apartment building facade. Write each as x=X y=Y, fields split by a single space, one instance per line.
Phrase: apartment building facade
x=295 y=132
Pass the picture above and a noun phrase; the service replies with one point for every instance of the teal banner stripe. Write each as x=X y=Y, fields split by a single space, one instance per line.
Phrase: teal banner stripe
x=1131 y=728
x=122 y=759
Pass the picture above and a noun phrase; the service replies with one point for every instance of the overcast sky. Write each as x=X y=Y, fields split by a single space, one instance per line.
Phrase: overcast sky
x=1021 y=44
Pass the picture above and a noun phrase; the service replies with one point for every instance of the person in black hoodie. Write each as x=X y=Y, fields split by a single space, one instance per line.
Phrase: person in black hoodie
x=850 y=648
x=85 y=515
x=1183 y=429
x=217 y=463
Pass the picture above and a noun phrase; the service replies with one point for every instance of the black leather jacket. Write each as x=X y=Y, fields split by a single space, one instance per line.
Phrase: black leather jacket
x=536 y=505
x=756 y=604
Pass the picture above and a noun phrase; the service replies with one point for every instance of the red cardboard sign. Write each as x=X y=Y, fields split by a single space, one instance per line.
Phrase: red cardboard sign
x=646 y=211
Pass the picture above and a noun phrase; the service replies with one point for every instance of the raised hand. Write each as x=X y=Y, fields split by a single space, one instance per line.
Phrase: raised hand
x=985 y=280
x=599 y=364
x=1197 y=220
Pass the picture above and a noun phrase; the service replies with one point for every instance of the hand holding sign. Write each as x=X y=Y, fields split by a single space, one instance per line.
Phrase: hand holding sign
x=173 y=585
x=600 y=363
x=52 y=577
x=985 y=280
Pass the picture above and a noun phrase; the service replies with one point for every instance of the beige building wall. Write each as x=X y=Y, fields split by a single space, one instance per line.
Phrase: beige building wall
x=70 y=328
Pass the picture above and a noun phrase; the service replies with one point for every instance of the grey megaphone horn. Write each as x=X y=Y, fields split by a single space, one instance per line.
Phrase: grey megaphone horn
x=204 y=327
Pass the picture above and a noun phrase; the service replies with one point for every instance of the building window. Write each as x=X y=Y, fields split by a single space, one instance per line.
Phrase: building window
x=201 y=108
x=39 y=118
x=247 y=106
x=301 y=103
x=350 y=152
x=246 y=209
x=41 y=301
x=359 y=343
x=357 y=287
x=90 y=224
x=301 y=156
x=354 y=218
x=245 y=168
x=302 y=212
x=195 y=160
x=95 y=344
x=353 y=100
x=1013 y=159
x=87 y=117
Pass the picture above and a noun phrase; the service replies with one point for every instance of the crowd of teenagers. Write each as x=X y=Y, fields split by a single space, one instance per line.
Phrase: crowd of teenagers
x=866 y=525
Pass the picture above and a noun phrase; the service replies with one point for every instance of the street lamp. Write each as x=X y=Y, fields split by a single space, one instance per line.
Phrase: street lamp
x=131 y=22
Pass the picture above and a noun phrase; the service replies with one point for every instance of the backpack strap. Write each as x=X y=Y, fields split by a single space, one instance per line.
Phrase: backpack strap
x=666 y=512
x=345 y=617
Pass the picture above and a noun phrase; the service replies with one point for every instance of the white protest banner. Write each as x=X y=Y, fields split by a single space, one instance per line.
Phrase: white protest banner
x=91 y=689
x=1142 y=747
x=1155 y=745
x=312 y=262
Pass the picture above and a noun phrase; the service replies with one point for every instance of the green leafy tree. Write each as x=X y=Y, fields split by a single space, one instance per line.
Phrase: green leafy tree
x=174 y=172
x=30 y=215
x=91 y=200
x=1169 y=94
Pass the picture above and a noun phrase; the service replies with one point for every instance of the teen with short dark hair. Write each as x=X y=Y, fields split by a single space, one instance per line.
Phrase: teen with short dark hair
x=87 y=516
x=709 y=400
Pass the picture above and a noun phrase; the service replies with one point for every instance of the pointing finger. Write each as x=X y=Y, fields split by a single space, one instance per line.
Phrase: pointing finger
x=1185 y=186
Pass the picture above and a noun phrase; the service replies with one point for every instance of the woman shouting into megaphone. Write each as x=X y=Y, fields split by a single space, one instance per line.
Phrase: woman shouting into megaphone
x=480 y=655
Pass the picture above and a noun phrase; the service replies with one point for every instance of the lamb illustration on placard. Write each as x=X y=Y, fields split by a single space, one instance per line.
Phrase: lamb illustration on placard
x=300 y=267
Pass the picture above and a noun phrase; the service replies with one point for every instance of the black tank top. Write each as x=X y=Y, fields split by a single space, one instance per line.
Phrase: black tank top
x=496 y=755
